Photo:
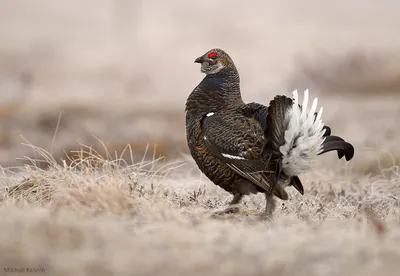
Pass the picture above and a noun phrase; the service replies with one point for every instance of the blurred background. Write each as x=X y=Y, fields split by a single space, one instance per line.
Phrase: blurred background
x=119 y=71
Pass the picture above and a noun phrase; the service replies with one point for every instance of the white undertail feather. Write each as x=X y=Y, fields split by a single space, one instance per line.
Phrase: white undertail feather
x=303 y=136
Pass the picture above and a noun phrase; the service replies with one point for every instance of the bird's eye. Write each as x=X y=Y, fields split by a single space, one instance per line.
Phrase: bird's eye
x=213 y=55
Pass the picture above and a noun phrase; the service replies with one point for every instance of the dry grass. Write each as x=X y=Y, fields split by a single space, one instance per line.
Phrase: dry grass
x=99 y=216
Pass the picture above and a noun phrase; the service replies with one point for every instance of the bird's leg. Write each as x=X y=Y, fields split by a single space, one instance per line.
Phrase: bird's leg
x=232 y=208
x=235 y=200
x=269 y=206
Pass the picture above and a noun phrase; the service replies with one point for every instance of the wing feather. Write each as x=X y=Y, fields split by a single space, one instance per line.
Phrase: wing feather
x=238 y=141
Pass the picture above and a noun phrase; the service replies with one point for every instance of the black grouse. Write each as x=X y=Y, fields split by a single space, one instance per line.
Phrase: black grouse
x=251 y=148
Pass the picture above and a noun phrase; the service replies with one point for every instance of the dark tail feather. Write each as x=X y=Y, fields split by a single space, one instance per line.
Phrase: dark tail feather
x=342 y=147
x=295 y=182
x=333 y=138
x=337 y=138
x=327 y=131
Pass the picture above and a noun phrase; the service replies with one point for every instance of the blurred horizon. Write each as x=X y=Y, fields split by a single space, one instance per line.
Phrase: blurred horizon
x=121 y=70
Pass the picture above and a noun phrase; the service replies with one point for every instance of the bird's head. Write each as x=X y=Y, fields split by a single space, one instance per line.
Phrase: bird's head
x=214 y=61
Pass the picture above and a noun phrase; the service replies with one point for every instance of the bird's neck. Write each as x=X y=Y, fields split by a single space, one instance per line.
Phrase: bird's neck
x=216 y=91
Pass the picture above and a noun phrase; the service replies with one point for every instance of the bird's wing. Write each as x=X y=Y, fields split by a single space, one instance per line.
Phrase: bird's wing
x=260 y=113
x=238 y=141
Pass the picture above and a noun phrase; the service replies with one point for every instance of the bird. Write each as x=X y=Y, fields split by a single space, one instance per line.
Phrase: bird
x=250 y=148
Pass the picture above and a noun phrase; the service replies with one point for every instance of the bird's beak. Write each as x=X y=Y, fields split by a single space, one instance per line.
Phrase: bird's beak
x=199 y=59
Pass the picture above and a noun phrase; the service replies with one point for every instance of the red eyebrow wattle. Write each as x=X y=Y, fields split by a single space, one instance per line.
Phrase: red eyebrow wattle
x=212 y=54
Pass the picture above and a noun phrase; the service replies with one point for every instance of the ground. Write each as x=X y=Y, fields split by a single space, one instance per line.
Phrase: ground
x=100 y=217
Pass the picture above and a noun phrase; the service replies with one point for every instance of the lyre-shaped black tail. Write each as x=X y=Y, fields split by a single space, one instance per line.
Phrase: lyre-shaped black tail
x=341 y=146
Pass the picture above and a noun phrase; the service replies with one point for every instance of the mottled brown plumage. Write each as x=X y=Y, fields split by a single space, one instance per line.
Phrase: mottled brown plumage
x=236 y=145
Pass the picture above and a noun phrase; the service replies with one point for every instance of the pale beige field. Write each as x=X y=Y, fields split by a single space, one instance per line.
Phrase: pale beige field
x=105 y=74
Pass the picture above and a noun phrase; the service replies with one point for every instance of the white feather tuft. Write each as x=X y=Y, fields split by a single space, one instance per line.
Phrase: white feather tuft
x=303 y=137
x=233 y=156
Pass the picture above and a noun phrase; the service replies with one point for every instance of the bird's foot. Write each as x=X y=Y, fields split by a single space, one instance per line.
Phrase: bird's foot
x=269 y=208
